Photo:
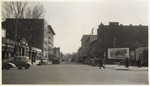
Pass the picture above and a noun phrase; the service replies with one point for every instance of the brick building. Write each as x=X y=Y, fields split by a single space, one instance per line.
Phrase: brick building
x=120 y=36
x=41 y=37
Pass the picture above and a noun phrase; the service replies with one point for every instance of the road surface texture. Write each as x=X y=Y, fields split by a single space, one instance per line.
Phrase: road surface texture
x=73 y=73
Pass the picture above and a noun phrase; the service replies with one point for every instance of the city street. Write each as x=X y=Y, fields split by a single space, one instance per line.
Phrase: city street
x=72 y=73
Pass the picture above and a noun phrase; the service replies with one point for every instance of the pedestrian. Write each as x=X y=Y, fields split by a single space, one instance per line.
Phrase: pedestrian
x=127 y=62
x=94 y=62
x=139 y=62
x=101 y=63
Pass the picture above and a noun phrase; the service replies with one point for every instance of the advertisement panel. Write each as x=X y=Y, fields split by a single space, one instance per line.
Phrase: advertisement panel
x=118 y=53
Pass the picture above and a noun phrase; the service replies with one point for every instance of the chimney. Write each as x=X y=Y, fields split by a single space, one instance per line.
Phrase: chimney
x=114 y=23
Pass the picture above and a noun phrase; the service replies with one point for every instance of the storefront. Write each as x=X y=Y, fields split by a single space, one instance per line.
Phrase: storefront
x=7 y=48
x=142 y=53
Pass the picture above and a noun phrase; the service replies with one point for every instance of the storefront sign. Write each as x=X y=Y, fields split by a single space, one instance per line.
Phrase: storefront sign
x=118 y=53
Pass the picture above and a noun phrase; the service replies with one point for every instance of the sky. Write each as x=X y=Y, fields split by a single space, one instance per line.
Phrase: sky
x=71 y=19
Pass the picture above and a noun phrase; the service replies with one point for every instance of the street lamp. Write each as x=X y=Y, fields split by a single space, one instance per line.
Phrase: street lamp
x=114 y=45
x=114 y=42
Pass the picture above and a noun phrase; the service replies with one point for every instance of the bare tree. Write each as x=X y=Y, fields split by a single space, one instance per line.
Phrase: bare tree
x=22 y=10
x=22 y=30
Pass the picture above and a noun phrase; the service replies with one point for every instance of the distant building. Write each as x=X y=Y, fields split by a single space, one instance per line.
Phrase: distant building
x=42 y=36
x=120 y=36
x=57 y=51
x=88 y=42
x=85 y=47
x=93 y=49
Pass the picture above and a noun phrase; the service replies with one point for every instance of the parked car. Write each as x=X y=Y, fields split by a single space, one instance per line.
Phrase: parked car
x=92 y=62
x=95 y=61
x=43 y=62
x=55 y=61
x=87 y=61
x=18 y=61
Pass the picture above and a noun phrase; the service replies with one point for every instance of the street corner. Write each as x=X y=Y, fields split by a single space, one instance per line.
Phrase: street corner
x=140 y=69
x=123 y=68
x=132 y=69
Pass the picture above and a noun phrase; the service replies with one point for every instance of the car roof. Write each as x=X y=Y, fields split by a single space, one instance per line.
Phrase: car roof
x=23 y=57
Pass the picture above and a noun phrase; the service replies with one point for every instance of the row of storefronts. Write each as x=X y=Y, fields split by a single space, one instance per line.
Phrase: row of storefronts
x=9 y=46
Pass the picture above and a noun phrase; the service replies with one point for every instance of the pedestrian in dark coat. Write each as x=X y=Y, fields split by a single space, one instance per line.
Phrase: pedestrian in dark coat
x=101 y=63
x=139 y=62
x=127 y=62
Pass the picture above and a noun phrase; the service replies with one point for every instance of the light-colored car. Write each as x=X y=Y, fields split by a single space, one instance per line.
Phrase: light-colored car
x=43 y=62
x=18 y=61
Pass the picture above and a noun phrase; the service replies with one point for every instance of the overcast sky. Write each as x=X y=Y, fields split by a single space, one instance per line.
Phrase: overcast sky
x=70 y=20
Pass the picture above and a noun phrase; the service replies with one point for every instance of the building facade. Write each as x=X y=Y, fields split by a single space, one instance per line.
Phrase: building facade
x=84 y=51
x=48 y=42
x=40 y=35
x=57 y=51
x=120 y=36
x=9 y=46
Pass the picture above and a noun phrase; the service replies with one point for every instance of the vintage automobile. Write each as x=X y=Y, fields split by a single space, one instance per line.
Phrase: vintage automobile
x=55 y=61
x=87 y=61
x=95 y=61
x=43 y=62
x=18 y=61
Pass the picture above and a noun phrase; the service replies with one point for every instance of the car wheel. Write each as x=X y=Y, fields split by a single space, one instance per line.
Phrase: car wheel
x=7 y=67
x=19 y=67
x=27 y=67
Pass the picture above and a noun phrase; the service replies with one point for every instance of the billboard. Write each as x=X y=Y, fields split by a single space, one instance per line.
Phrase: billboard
x=118 y=53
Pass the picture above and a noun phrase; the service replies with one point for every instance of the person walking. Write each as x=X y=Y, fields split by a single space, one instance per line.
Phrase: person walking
x=139 y=62
x=101 y=63
x=127 y=62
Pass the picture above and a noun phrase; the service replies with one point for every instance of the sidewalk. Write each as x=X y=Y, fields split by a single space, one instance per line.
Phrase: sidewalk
x=34 y=64
x=122 y=67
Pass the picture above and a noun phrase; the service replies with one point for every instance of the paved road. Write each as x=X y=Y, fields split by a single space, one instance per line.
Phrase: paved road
x=72 y=73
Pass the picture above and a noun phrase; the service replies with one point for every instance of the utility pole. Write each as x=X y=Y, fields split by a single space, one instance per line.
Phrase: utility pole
x=114 y=46
x=114 y=42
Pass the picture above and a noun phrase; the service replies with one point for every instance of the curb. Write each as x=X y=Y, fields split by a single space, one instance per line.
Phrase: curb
x=127 y=69
x=132 y=69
